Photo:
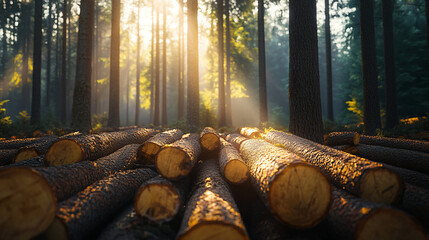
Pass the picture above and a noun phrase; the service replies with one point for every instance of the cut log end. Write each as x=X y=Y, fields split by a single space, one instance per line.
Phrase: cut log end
x=389 y=224
x=381 y=185
x=24 y=197
x=236 y=171
x=25 y=154
x=63 y=152
x=56 y=231
x=172 y=163
x=214 y=230
x=157 y=202
x=148 y=151
x=356 y=138
x=300 y=196
x=210 y=141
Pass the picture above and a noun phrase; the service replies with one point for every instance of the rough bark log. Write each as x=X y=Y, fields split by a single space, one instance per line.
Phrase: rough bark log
x=277 y=174
x=209 y=139
x=414 y=145
x=83 y=214
x=19 y=143
x=416 y=202
x=129 y=226
x=160 y=200
x=211 y=211
x=149 y=149
x=90 y=147
x=359 y=176
x=232 y=166
x=342 y=138
x=236 y=140
x=36 y=162
x=6 y=156
x=176 y=160
x=46 y=186
x=33 y=150
x=354 y=218
x=250 y=132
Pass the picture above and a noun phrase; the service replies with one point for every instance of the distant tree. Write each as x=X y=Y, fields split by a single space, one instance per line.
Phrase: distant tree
x=328 y=61
x=389 y=65
x=113 y=120
x=81 y=108
x=304 y=88
x=152 y=66
x=221 y=82
x=193 y=102
x=369 y=68
x=157 y=71
x=63 y=90
x=37 y=66
x=137 y=111
x=127 y=74
x=228 y=113
x=427 y=26
x=263 y=108
x=181 y=86
x=48 y=57
x=164 y=64
x=26 y=95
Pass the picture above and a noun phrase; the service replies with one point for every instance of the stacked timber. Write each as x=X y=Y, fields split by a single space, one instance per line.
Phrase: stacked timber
x=342 y=138
x=232 y=166
x=236 y=139
x=414 y=145
x=19 y=143
x=251 y=132
x=33 y=150
x=209 y=139
x=36 y=162
x=151 y=147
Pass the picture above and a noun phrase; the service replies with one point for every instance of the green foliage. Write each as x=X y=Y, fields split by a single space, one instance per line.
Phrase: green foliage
x=5 y=121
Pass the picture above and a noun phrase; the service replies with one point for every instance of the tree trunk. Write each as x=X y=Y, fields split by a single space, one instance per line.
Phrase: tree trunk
x=263 y=106
x=48 y=59
x=221 y=74
x=26 y=95
x=236 y=140
x=232 y=166
x=63 y=91
x=36 y=162
x=81 y=109
x=181 y=86
x=193 y=101
x=152 y=68
x=113 y=120
x=328 y=61
x=251 y=132
x=33 y=150
x=415 y=145
x=342 y=138
x=6 y=156
x=37 y=62
x=389 y=65
x=97 y=54
x=137 y=111
x=149 y=149
x=164 y=66
x=304 y=87
x=369 y=68
x=228 y=111
x=157 y=70
x=127 y=119
x=427 y=27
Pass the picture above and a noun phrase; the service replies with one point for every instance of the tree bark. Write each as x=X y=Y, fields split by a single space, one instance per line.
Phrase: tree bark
x=157 y=70
x=137 y=111
x=113 y=120
x=342 y=138
x=416 y=202
x=37 y=63
x=19 y=143
x=6 y=156
x=328 y=61
x=263 y=105
x=251 y=132
x=149 y=149
x=181 y=85
x=36 y=162
x=236 y=140
x=228 y=107
x=415 y=145
x=304 y=87
x=33 y=150
x=48 y=58
x=221 y=78
x=164 y=66
x=232 y=166
x=63 y=90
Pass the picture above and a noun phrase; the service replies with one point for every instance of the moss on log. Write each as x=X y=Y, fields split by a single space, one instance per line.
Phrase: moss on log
x=232 y=166
x=236 y=139
x=296 y=192
x=149 y=149
x=359 y=176
x=414 y=145
x=342 y=138
x=90 y=147
x=251 y=132
x=209 y=139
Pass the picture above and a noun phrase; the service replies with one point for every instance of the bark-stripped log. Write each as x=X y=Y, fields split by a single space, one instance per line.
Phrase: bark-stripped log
x=176 y=160
x=413 y=160
x=416 y=202
x=211 y=212
x=414 y=145
x=33 y=150
x=128 y=225
x=296 y=192
x=19 y=143
x=342 y=138
x=251 y=132
x=90 y=147
x=56 y=183
x=36 y=162
x=209 y=139
x=236 y=139
x=90 y=209
x=232 y=166
x=160 y=199
x=359 y=176
x=6 y=156
x=149 y=149
x=354 y=218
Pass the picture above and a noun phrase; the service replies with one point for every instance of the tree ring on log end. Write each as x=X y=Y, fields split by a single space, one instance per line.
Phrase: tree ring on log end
x=56 y=231
x=381 y=185
x=25 y=154
x=236 y=171
x=149 y=150
x=27 y=203
x=385 y=223
x=210 y=141
x=213 y=230
x=157 y=202
x=172 y=163
x=63 y=152
x=300 y=196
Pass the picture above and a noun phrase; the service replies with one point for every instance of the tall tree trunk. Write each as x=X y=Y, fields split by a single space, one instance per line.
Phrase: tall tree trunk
x=157 y=70
x=70 y=83
x=389 y=65
x=81 y=109
x=26 y=95
x=37 y=63
x=97 y=54
x=48 y=59
x=128 y=79
x=113 y=120
x=152 y=67
x=228 y=108
x=328 y=61
x=64 y=66
x=221 y=82
x=304 y=88
x=263 y=106
x=164 y=65
x=369 y=68
x=181 y=86
x=193 y=102
x=94 y=61
x=427 y=27
x=57 y=63
x=137 y=111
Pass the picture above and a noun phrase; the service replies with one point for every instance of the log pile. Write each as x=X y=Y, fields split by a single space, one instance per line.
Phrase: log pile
x=139 y=184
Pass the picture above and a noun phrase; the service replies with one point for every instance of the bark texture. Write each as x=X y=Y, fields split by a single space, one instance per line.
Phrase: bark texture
x=6 y=156
x=149 y=149
x=19 y=143
x=342 y=138
x=415 y=145
x=36 y=162
x=416 y=202
x=209 y=139
x=35 y=150
x=113 y=120
x=236 y=140
x=237 y=171
x=193 y=101
x=251 y=132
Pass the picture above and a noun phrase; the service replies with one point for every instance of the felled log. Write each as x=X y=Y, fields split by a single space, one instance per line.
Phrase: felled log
x=209 y=139
x=90 y=147
x=236 y=139
x=359 y=176
x=413 y=160
x=149 y=149
x=128 y=225
x=414 y=145
x=6 y=156
x=416 y=202
x=160 y=199
x=251 y=132
x=354 y=218
x=232 y=166
x=33 y=150
x=346 y=148
x=342 y=138
x=46 y=186
x=90 y=209
x=36 y=162
x=19 y=143
x=176 y=160
x=278 y=176
x=211 y=210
